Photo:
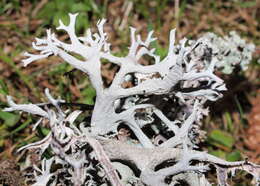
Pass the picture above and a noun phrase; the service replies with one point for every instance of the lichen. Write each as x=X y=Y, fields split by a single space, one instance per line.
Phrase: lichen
x=161 y=133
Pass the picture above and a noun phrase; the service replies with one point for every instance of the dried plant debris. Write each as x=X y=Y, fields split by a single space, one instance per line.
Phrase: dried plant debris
x=10 y=174
x=159 y=146
x=253 y=139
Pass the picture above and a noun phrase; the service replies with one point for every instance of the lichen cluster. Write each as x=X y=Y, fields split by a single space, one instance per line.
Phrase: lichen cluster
x=160 y=112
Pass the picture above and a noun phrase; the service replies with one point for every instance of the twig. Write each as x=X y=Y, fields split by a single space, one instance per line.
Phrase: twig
x=38 y=7
x=105 y=161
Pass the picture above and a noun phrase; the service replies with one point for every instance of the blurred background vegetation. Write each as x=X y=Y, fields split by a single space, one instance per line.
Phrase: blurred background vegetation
x=234 y=123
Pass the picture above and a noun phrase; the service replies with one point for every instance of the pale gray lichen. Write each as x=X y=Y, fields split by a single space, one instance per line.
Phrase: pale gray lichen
x=163 y=111
x=230 y=51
